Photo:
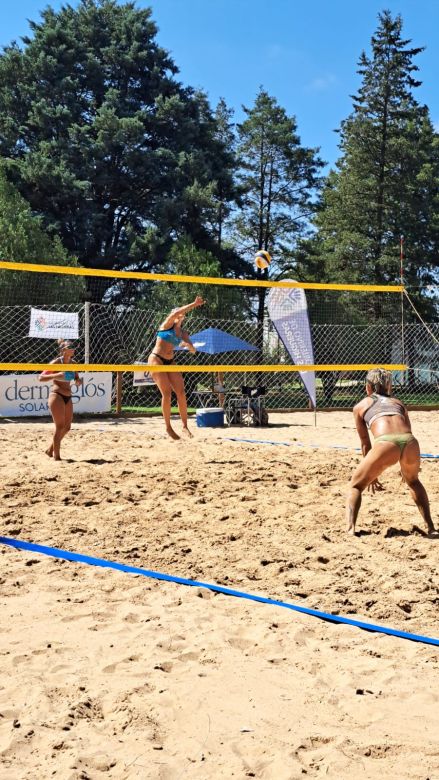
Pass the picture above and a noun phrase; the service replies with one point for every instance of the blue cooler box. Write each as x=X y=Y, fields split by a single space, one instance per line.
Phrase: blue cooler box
x=210 y=418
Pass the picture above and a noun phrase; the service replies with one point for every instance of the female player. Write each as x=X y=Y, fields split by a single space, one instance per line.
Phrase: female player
x=60 y=397
x=169 y=336
x=389 y=422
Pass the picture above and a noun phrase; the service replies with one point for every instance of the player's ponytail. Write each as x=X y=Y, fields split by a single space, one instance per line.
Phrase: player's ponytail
x=380 y=380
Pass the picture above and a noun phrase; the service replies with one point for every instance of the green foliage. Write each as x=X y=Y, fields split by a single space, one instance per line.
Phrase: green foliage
x=279 y=178
x=386 y=181
x=185 y=259
x=23 y=240
x=109 y=148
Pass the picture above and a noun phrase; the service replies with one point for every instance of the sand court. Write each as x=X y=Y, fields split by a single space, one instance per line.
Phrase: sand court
x=107 y=674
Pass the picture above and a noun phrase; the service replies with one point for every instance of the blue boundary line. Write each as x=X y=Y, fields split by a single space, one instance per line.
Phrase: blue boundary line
x=66 y=555
x=314 y=446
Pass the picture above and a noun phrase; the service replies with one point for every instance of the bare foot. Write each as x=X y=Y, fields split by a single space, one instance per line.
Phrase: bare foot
x=351 y=528
x=172 y=435
x=57 y=457
x=49 y=452
x=187 y=432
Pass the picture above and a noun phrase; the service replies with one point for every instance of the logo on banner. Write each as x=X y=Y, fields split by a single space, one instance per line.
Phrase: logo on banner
x=53 y=324
x=142 y=378
x=41 y=323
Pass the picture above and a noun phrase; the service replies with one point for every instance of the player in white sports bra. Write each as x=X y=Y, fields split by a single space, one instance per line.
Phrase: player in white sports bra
x=387 y=418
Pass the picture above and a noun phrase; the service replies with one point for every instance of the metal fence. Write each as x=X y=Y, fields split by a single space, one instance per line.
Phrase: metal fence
x=117 y=335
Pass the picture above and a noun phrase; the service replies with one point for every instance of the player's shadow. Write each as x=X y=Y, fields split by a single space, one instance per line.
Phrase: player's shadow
x=414 y=531
x=276 y=425
x=92 y=461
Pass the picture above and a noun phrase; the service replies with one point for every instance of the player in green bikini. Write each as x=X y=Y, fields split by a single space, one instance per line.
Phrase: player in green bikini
x=389 y=422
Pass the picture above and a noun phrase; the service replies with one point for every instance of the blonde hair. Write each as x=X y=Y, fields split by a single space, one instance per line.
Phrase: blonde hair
x=379 y=379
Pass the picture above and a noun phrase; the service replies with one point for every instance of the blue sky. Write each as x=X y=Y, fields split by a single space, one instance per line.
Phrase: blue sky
x=303 y=53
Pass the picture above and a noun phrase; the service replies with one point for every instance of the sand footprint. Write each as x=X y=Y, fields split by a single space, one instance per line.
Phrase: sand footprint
x=111 y=668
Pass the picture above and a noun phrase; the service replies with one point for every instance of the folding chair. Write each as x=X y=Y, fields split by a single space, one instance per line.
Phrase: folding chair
x=248 y=409
x=253 y=403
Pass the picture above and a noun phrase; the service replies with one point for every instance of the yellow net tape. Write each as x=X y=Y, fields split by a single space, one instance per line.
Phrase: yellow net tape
x=93 y=367
x=57 y=269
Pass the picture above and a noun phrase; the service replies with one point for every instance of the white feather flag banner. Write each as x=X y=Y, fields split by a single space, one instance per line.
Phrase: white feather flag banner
x=288 y=312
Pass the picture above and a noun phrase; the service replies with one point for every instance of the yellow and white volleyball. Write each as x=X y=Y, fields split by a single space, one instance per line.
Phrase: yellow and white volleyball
x=262 y=259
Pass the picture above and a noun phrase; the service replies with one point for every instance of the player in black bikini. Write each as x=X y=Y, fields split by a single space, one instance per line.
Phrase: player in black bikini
x=169 y=336
x=60 y=397
x=389 y=422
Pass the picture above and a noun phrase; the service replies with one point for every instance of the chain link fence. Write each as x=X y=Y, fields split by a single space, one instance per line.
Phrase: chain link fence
x=121 y=335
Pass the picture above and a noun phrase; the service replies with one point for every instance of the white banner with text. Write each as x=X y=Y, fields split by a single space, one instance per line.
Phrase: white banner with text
x=53 y=324
x=22 y=395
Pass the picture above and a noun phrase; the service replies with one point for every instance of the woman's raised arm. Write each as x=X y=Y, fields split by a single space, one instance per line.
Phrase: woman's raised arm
x=180 y=312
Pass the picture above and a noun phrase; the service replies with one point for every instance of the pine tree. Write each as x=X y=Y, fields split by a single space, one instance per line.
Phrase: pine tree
x=386 y=182
x=279 y=178
x=227 y=191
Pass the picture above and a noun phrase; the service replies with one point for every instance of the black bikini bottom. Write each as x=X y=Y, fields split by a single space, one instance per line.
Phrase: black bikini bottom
x=165 y=361
x=66 y=398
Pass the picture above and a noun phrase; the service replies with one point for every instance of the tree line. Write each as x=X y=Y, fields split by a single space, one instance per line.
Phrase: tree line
x=111 y=162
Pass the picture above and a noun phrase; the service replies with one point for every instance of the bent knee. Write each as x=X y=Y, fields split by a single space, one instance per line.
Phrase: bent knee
x=359 y=483
x=412 y=482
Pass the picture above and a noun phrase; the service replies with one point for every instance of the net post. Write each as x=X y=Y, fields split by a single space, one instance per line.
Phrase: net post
x=401 y=273
x=87 y=332
x=118 y=392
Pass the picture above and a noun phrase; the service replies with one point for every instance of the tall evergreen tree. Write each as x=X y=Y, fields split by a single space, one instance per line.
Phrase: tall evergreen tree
x=386 y=182
x=279 y=178
x=110 y=149
x=227 y=191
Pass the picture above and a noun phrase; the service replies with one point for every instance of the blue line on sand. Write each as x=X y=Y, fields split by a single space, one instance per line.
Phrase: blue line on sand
x=314 y=446
x=54 y=552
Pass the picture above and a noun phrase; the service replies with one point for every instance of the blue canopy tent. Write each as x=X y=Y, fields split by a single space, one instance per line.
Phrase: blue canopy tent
x=213 y=341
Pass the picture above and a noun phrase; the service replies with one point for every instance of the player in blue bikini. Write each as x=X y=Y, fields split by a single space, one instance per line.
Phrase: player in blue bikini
x=169 y=336
x=387 y=418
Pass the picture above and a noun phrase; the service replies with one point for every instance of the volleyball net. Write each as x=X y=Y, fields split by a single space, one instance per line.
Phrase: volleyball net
x=115 y=316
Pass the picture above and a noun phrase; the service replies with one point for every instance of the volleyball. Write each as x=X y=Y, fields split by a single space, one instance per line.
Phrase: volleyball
x=262 y=259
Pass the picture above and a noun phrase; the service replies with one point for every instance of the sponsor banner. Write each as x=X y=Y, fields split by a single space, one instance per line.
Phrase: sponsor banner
x=142 y=378
x=53 y=324
x=288 y=312
x=22 y=395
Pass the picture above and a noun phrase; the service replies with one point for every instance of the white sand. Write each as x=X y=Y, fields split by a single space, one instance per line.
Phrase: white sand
x=107 y=674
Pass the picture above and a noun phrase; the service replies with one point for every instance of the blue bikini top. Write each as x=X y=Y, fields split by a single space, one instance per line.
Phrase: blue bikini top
x=169 y=335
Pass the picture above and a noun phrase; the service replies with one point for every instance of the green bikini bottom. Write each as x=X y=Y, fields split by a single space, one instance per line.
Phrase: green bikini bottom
x=401 y=439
